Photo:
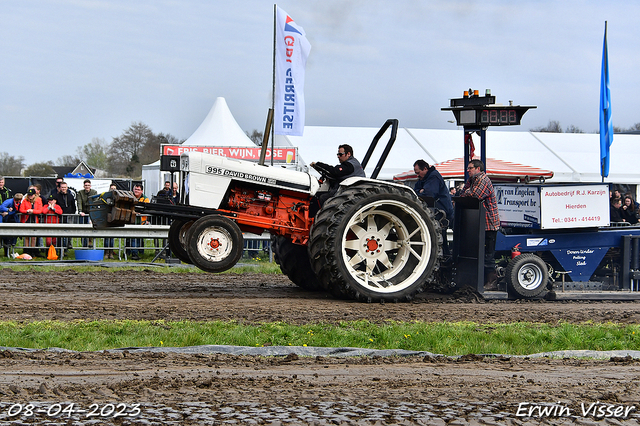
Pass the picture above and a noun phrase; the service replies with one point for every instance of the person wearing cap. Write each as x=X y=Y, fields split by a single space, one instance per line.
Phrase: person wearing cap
x=9 y=210
x=30 y=208
x=52 y=213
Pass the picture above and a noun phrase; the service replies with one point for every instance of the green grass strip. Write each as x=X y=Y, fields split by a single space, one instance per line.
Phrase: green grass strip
x=441 y=338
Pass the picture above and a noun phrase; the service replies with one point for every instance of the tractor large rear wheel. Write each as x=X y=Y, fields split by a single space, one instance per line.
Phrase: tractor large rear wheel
x=375 y=242
x=293 y=260
x=214 y=243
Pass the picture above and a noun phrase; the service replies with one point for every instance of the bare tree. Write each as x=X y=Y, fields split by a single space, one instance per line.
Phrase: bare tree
x=573 y=129
x=552 y=127
x=40 y=169
x=634 y=128
x=151 y=150
x=125 y=150
x=256 y=137
x=68 y=161
x=10 y=165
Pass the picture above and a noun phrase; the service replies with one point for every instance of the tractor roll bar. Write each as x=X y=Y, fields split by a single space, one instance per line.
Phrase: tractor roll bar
x=393 y=122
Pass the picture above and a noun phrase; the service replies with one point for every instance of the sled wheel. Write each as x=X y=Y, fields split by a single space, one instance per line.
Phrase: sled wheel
x=375 y=242
x=293 y=260
x=527 y=275
x=178 y=239
x=214 y=243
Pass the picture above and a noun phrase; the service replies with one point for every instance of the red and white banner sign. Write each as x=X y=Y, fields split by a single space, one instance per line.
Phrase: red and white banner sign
x=286 y=155
x=292 y=50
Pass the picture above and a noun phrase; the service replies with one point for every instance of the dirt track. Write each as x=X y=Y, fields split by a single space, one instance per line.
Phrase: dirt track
x=214 y=389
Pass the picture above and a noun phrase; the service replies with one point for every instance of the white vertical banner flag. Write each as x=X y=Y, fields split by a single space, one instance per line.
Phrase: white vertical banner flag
x=292 y=50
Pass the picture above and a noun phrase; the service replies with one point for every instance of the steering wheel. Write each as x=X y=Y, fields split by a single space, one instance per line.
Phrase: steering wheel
x=324 y=176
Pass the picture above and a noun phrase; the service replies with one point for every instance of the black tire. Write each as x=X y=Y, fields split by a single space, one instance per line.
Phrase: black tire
x=391 y=258
x=293 y=260
x=214 y=243
x=527 y=275
x=178 y=239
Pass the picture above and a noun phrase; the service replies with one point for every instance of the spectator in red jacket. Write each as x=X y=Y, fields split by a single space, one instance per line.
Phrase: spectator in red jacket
x=52 y=213
x=30 y=208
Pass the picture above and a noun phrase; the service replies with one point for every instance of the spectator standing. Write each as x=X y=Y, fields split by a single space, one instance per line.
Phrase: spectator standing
x=108 y=242
x=9 y=210
x=30 y=208
x=633 y=200
x=55 y=190
x=67 y=202
x=52 y=214
x=138 y=242
x=83 y=207
x=614 y=210
x=165 y=192
x=163 y=196
x=628 y=210
x=5 y=193
x=175 y=195
x=479 y=186
x=38 y=189
x=43 y=199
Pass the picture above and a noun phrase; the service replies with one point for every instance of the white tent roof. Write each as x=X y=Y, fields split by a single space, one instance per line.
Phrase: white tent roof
x=573 y=157
x=219 y=128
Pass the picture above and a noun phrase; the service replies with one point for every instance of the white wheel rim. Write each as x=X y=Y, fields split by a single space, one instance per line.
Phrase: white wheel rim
x=377 y=246
x=214 y=244
x=530 y=276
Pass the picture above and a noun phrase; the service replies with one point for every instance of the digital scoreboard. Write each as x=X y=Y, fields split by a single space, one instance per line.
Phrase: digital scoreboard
x=473 y=111
x=489 y=115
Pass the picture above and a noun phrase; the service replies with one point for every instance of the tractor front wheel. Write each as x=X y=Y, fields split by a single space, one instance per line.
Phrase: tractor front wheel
x=214 y=243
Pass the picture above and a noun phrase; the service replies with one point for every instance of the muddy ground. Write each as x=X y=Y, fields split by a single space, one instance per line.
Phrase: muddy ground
x=128 y=387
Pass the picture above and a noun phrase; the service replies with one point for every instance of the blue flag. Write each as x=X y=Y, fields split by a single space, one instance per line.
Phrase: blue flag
x=606 y=126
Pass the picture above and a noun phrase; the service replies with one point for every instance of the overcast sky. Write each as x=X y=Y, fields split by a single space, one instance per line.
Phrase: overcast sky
x=73 y=70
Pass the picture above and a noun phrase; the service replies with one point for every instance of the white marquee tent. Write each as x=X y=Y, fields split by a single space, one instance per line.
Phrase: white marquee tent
x=219 y=128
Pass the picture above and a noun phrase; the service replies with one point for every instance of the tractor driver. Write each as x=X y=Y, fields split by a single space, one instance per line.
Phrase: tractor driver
x=348 y=167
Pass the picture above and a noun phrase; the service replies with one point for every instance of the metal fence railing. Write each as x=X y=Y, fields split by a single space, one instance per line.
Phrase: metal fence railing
x=73 y=232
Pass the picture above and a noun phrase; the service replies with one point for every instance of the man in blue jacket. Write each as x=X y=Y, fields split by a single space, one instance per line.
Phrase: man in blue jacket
x=8 y=211
x=431 y=184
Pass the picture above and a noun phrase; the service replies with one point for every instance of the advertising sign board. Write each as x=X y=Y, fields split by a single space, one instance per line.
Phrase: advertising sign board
x=280 y=155
x=553 y=207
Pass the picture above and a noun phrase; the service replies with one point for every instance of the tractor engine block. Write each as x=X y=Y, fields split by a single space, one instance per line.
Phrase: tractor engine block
x=282 y=213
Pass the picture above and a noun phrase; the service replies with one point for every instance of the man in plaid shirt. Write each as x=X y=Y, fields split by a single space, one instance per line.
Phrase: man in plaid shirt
x=479 y=186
